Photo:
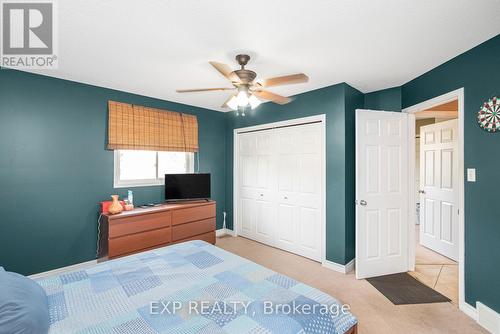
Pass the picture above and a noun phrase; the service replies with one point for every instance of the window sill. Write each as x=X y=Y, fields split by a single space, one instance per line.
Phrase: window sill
x=138 y=184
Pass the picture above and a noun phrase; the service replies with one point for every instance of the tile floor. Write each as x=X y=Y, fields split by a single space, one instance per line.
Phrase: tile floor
x=436 y=271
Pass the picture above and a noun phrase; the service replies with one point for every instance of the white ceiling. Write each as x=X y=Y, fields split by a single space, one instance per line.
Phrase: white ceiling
x=153 y=47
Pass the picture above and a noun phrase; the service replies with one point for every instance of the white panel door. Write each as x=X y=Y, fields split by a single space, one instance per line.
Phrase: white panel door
x=439 y=188
x=248 y=184
x=286 y=164
x=381 y=193
x=265 y=187
x=299 y=189
x=256 y=197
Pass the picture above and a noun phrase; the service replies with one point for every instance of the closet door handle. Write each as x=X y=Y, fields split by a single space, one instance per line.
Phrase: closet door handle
x=363 y=202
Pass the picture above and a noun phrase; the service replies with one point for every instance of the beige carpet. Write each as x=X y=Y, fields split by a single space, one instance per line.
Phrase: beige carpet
x=375 y=313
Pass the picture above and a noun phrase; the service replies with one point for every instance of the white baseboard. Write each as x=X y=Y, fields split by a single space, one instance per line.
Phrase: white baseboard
x=224 y=231
x=488 y=318
x=57 y=271
x=341 y=268
x=469 y=310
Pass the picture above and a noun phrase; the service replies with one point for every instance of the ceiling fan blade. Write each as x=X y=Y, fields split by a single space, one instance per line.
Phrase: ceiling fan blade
x=201 y=90
x=224 y=105
x=284 y=80
x=265 y=95
x=225 y=70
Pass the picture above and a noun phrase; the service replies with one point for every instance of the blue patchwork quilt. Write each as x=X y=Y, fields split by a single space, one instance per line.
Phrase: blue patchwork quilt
x=192 y=287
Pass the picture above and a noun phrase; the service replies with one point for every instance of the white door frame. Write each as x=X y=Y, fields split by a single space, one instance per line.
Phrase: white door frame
x=456 y=94
x=291 y=122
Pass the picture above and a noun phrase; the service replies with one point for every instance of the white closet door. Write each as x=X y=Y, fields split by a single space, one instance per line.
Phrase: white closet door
x=299 y=189
x=280 y=199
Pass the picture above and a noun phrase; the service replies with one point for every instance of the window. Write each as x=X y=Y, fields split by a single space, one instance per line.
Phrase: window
x=148 y=168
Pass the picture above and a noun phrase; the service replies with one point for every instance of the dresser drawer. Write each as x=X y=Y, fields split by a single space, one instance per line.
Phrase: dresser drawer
x=136 y=242
x=187 y=230
x=125 y=226
x=208 y=237
x=181 y=216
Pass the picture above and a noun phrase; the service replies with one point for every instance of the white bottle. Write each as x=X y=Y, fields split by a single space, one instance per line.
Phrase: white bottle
x=130 y=197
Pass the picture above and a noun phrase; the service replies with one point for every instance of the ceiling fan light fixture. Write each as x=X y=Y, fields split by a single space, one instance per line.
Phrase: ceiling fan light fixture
x=233 y=103
x=254 y=101
x=242 y=98
x=250 y=92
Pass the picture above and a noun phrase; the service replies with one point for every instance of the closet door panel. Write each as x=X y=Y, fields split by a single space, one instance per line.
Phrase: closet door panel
x=308 y=180
x=286 y=232
x=285 y=172
x=247 y=217
x=308 y=237
x=265 y=208
x=309 y=190
x=299 y=186
x=265 y=222
x=247 y=184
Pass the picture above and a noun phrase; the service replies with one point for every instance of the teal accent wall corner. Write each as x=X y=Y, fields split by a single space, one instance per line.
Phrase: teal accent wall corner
x=354 y=99
x=54 y=168
x=475 y=71
x=387 y=99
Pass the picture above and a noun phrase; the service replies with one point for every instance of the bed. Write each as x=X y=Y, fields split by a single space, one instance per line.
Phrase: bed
x=192 y=287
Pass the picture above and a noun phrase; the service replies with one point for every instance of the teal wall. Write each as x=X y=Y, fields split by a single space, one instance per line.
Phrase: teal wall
x=337 y=103
x=388 y=99
x=477 y=71
x=54 y=169
x=354 y=100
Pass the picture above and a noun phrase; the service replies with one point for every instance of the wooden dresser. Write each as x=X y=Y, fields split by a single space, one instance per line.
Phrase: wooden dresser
x=142 y=229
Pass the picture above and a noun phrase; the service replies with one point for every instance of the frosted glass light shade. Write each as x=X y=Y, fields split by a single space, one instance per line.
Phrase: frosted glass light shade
x=254 y=102
x=233 y=103
x=242 y=99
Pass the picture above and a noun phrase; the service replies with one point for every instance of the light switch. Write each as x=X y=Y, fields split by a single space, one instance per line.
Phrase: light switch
x=471 y=174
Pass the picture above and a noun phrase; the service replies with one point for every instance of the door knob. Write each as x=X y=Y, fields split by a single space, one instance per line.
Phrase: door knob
x=422 y=191
x=286 y=197
x=261 y=195
x=363 y=202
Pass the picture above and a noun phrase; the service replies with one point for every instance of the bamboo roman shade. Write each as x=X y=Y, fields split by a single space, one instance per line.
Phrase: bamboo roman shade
x=132 y=127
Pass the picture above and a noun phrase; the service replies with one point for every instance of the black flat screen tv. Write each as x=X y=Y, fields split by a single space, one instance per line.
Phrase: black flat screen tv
x=187 y=186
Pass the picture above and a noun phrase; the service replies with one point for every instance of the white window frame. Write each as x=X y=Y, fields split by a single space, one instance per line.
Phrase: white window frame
x=159 y=181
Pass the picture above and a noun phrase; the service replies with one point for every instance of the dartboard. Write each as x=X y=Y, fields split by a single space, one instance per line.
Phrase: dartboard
x=489 y=115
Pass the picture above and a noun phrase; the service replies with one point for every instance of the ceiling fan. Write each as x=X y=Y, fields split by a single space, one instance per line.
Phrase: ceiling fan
x=249 y=92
